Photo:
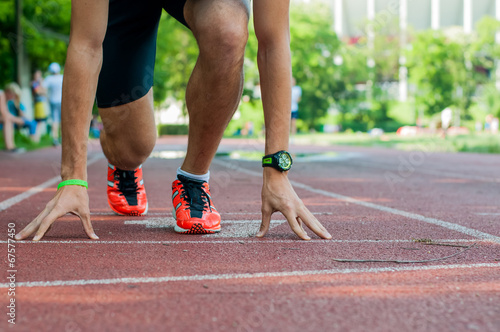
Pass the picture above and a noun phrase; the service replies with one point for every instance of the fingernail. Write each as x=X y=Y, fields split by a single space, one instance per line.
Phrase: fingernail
x=95 y=235
x=17 y=237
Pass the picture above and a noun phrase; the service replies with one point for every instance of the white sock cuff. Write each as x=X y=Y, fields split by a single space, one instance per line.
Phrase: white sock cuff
x=203 y=177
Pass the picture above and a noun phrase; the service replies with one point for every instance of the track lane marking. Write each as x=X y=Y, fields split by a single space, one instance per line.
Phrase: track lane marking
x=427 y=171
x=169 y=214
x=234 y=276
x=232 y=228
x=248 y=241
x=432 y=221
x=35 y=190
x=169 y=222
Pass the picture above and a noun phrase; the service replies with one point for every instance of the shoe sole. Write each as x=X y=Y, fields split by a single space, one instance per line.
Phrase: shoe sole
x=196 y=229
x=133 y=213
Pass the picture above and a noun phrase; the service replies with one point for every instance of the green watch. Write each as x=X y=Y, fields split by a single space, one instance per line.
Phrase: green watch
x=280 y=160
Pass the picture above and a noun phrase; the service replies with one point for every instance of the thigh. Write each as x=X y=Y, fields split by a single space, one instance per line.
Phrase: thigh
x=131 y=121
x=129 y=51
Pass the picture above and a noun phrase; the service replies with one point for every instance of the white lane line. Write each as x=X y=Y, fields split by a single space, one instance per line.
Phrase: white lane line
x=35 y=190
x=488 y=214
x=28 y=193
x=169 y=214
x=434 y=172
x=170 y=222
x=248 y=241
x=233 y=276
x=432 y=221
x=232 y=228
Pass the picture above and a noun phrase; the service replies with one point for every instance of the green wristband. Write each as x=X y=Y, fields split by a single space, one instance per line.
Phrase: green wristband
x=73 y=182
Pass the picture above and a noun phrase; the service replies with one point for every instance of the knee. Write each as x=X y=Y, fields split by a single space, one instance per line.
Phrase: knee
x=129 y=153
x=223 y=35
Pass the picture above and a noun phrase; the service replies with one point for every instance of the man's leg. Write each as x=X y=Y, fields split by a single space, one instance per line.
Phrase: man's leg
x=8 y=134
x=213 y=93
x=125 y=102
x=129 y=132
x=127 y=139
x=214 y=89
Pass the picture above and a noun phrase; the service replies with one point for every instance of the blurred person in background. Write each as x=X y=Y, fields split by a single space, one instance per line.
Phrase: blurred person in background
x=53 y=84
x=17 y=109
x=7 y=125
x=39 y=101
x=446 y=117
x=296 y=96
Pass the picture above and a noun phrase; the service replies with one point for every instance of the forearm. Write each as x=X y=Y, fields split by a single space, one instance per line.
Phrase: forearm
x=79 y=86
x=275 y=75
x=274 y=61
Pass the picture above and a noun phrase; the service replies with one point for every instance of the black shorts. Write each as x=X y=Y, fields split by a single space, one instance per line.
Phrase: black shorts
x=129 y=49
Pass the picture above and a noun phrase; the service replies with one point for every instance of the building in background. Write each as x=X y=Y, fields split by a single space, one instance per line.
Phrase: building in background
x=350 y=17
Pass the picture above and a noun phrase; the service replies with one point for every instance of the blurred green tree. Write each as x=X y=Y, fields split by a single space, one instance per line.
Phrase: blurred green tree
x=176 y=55
x=314 y=46
x=7 y=41
x=432 y=62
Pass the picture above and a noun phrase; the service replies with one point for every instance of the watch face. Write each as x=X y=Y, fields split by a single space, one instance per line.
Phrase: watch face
x=285 y=161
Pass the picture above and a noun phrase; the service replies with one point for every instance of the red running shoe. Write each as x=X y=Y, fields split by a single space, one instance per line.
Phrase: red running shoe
x=126 y=193
x=193 y=207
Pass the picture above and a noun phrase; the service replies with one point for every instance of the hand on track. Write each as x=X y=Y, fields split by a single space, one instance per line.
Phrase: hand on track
x=279 y=195
x=68 y=199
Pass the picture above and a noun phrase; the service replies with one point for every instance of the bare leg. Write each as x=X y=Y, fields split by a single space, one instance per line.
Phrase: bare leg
x=8 y=126
x=38 y=132
x=214 y=89
x=55 y=131
x=8 y=134
x=129 y=133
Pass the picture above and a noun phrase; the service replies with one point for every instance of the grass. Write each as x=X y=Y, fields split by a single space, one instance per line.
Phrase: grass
x=477 y=143
x=25 y=142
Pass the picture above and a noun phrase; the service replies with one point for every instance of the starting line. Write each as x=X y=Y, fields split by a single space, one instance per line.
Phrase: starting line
x=235 y=276
x=232 y=228
x=248 y=241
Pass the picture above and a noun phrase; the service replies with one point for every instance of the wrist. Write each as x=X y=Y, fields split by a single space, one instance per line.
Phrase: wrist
x=275 y=148
x=270 y=173
x=74 y=160
x=73 y=182
x=68 y=173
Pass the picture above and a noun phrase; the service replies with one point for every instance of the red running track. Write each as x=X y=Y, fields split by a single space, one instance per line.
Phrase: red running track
x=141 y=276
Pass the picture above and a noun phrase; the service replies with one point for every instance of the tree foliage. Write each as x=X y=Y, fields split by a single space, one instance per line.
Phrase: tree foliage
x=176 y=55
x=431 y=65
x=45 y=34
x=314 y=46
x=7 y=34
